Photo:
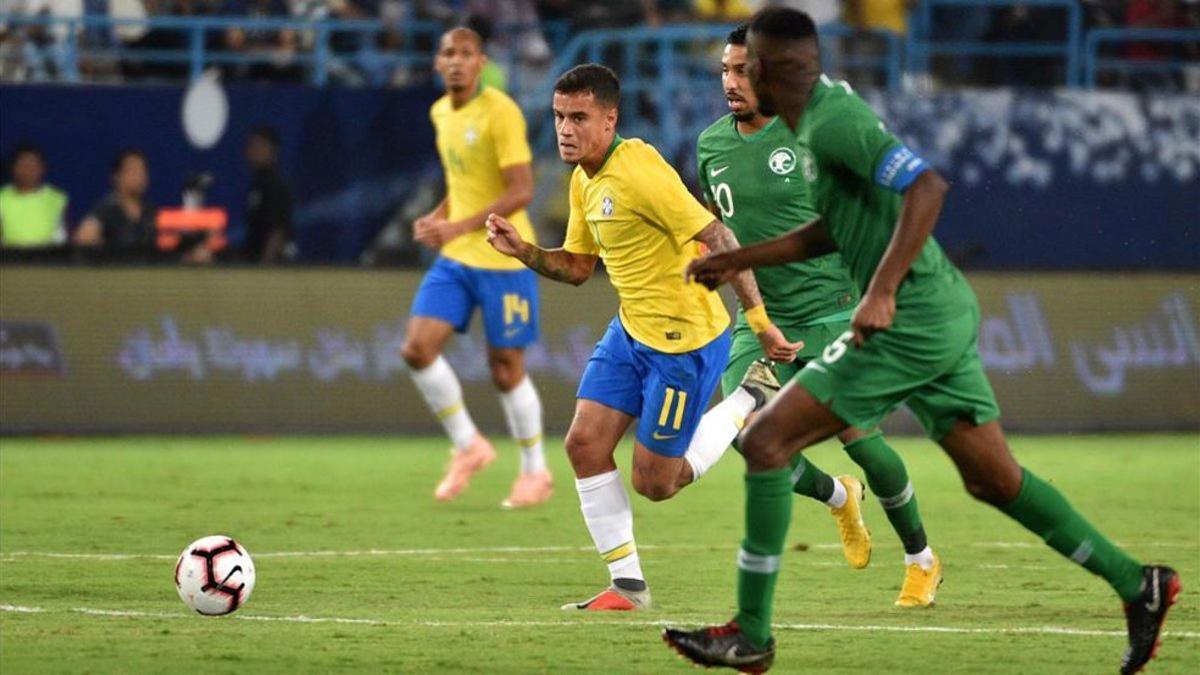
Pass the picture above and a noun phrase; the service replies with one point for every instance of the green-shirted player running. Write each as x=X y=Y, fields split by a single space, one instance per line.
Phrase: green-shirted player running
x=913 y=340
x=749 y=172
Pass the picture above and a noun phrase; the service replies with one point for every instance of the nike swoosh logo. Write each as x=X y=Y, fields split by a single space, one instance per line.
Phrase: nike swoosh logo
x=1154 y=605
x=717 y=172
x=732 y=656
x=660 y=437
x=510 y=332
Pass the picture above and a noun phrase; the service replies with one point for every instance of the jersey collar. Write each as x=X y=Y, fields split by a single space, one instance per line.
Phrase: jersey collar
x=748 y=138
x=617 y=140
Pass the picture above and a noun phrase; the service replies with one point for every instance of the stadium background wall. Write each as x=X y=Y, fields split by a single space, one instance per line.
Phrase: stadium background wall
x=291 y=350
x=1046 y=180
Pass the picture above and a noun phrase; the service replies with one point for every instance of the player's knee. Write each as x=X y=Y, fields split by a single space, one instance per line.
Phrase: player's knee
x=417 y=354
x=762 y=449
x=988 y=490
x=584 y=452
x=653 y=488
x=507 y=372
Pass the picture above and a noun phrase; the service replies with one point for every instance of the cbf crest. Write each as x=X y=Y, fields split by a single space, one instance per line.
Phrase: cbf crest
x=782 y=161
x=606 y=206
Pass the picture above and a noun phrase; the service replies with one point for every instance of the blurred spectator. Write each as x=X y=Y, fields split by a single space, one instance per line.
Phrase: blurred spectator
x=726 y=10
x=32 y=213
x=37 y=52
x=269 y=202
x=277 y=47
x=1159 y=14
x=1022 y=22
x=121 y=227
x=873 y=17
x=161 y=39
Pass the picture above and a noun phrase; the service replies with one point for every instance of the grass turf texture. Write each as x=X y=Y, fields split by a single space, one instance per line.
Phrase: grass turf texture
x=448 y=597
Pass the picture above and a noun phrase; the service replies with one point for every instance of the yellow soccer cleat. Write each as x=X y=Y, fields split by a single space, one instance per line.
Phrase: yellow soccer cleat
x=856 y=538
x=920 y=584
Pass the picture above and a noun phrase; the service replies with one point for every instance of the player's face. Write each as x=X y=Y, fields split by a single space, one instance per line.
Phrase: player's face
x=459 y=60
x=738 y=94
x=781 y=73
x=584 y=126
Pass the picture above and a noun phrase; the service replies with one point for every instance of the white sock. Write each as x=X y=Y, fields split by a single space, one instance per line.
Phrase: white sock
x=523 y=410
x=718 y=428
x=440 y=388
x=924 y=558
x=609 y=518
x=838 y=499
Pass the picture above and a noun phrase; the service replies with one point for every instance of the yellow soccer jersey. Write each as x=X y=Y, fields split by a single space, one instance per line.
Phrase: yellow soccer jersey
x=475 y=142
x=636 y=214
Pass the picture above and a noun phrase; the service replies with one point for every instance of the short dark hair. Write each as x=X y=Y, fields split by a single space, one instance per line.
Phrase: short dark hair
x=267 y=134
x=22 y=149
x=737 y=36
x=600 y=80
x=123 y=155
x=784 y=22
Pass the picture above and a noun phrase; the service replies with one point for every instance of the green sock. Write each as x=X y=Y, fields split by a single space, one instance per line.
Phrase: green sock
x=768 y=512
x=810 y=481
x=888 y=479
x=1044 y=511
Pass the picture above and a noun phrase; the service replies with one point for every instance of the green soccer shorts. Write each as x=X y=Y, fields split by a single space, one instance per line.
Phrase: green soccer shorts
x=935 y=369
x=746 y=350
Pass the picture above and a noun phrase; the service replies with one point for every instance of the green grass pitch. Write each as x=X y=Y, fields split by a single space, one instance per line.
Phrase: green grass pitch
x=359 y=570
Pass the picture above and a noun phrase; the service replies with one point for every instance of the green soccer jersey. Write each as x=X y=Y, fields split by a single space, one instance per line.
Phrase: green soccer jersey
x=755 y=183
x=849 y=159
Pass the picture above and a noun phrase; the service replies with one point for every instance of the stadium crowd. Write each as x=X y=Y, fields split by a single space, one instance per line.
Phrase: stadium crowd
x=530 y=30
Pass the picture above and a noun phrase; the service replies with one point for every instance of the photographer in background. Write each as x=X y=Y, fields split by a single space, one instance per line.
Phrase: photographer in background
x=121 y=227
x=269 y=201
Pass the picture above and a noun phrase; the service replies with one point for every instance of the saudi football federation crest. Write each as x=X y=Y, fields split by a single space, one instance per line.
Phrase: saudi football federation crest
x=782 y=161
x=606 y=206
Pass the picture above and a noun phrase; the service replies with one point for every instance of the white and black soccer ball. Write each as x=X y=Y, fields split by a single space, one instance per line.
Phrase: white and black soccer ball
x=214 y=575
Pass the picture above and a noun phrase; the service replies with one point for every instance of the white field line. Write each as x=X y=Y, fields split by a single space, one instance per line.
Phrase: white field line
x=485 y=550
x=567 y=620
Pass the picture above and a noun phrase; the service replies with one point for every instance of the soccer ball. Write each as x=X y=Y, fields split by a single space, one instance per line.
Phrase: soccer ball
x=214 y=575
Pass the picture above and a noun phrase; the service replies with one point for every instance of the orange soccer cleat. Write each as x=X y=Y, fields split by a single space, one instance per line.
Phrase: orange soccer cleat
x=464 y=464
x=530 y=489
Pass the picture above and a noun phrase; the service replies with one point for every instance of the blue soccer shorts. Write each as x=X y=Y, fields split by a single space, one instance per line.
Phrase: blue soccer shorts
x=508 y=299
x=668 y=393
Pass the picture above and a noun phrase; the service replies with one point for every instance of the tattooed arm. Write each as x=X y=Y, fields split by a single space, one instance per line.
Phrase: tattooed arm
x=556 y=264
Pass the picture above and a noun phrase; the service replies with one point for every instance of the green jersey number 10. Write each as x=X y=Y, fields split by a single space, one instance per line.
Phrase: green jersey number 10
x=723 y=197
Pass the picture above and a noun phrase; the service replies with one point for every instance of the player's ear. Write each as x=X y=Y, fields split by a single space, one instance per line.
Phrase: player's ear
x=611 y=116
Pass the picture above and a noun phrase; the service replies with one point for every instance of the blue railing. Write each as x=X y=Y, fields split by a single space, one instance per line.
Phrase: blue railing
x=922 y=46
x=1095 y=62
x=671 y=68
x=652 y=49
x=318 y=57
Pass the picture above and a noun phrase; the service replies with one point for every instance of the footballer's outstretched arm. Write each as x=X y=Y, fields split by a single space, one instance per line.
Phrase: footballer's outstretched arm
x=556 y=264
x=810 y=240
x=720 y=239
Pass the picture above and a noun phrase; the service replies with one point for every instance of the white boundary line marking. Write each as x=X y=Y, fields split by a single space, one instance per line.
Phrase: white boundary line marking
x=516 y=623
x=483 y=550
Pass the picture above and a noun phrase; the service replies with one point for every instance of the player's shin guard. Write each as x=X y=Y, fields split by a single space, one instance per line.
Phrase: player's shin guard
x=717 y=430
x=768 y=512
x=609 y=517
x=440 y=388
x=888 y=479
x=523 y=412
x=1043 y=510
x=809 y=480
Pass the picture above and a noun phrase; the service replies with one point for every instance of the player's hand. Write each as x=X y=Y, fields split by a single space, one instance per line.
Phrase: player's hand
x=776 y=346
x=503 y=236
x=874 y=314
x=434 y=232
x=712 y=270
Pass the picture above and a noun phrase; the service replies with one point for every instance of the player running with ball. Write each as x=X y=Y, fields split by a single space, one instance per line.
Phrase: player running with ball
x=662 y=356
x=914 y=341
x=748 y=168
